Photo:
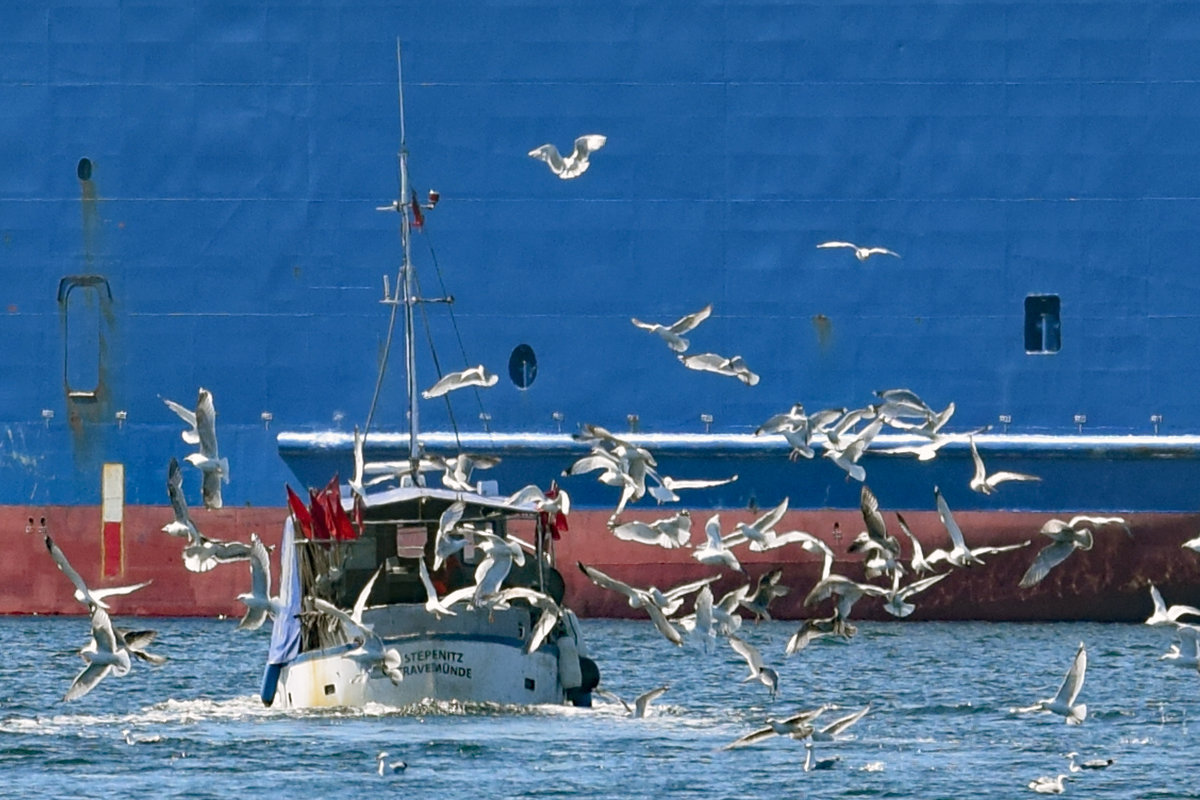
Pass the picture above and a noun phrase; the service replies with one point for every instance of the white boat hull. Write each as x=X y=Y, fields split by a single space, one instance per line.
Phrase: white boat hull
x=473 y=657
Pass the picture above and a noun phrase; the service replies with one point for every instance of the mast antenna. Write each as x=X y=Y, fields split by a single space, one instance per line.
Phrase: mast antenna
x=404 y=285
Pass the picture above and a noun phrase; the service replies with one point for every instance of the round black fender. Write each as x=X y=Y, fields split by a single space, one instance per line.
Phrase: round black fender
x=581 y=696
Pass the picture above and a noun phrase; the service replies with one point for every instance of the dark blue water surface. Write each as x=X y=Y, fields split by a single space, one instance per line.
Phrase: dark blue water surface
x=941 y=723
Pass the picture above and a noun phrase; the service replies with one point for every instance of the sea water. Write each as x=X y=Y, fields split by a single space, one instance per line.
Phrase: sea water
x=941 y=722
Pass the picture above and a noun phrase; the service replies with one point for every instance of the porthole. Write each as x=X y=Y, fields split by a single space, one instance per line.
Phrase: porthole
x=84 y=169
x=522 y=366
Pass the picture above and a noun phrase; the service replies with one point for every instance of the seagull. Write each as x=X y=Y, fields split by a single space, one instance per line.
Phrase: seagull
x=136 y=643
x=812 y=629
x=734 y=366
x=820 y=763
x=673 y=334
x=765 y=675
x=861 y=253
x=432 y=604
x=499 y=556
x=1065 y=538
x=986 y=484
x=847 y=591
x=105 y=656
x=917 y=562
x=638 y=598
x=833 y=730
x=577 y=162
x=1046 y=785
x=884 y=547
x=897 y=599
x=559 y=504
x=475 y=376
x=204 y=433
x=1064 y=703
x=1162 y=615
x=701 y=624
x=664 y=492
x=201 y=554
x=765 y=591
x=549 y=612
x=797 y=726
x=1093 y=763
x=259 y=603
x=758 y=530
x=385 y=766
x=795 y=427
x=456 y=470
x=89 y=597
x=641 y=705
x=1187 y=652
x=960 y=555
x=714 y=552
x=646 y=533
x=182 y=525
x=370 y=653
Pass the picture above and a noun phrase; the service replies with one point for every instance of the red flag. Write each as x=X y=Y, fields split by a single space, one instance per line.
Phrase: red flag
x=558 y=526
x=301 y=514
x=320 y=516
x=418 y=216
x=340 y=525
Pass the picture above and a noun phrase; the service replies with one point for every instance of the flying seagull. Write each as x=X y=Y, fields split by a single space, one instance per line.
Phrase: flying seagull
x=203 y=432
x=797 y=726
x=861 y=253
x=475 y=376
x=1064 y=703
x=673 y=334
x=1065 y=538
x=259 y=603
x=577 y=162
x=103 y=655
x=1162 y=615
x=89 y=597
x=986 y=484
x=641 y=705
x=734 y=366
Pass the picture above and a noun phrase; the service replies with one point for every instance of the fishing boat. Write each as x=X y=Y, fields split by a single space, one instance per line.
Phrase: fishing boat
x=428 y=594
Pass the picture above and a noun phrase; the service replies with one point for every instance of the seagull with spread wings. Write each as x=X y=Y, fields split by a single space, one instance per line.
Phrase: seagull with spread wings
x=673 y=334
x=474 y=376
x=1064 y=702
x=861 y=253
x=89 y=597
x=986 y=484
x=203 y=432
x=575 y=164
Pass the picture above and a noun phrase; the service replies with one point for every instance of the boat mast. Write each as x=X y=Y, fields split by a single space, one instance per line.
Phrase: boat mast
x=410 y=353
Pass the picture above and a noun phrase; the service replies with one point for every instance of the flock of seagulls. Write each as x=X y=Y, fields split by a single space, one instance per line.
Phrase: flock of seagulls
x=109 y=650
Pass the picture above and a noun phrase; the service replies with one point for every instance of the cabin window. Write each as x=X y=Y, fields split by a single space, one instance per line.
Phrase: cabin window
x=522 y=366
x=83 y=170
x=1043 y=329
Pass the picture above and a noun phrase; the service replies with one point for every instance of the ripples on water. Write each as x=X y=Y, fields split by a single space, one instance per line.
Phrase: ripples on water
x=941 y=723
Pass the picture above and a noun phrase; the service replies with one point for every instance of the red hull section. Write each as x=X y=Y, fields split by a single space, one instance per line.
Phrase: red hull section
x=1108 y=583
x=137 y=550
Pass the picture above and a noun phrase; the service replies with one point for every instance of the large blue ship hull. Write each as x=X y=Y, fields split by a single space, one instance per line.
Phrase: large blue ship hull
x=190 y=201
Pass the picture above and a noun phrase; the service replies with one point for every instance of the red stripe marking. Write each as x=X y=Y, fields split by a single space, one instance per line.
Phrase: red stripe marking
x=113 y=550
